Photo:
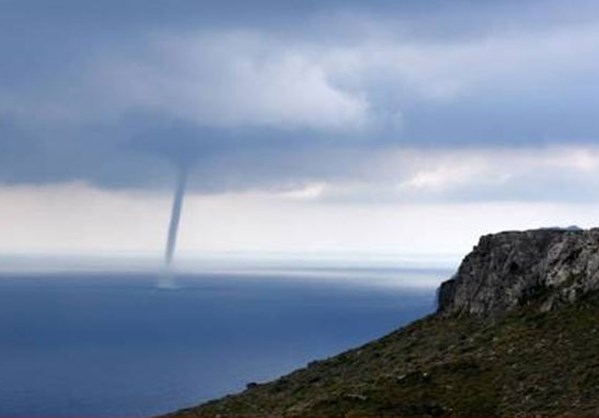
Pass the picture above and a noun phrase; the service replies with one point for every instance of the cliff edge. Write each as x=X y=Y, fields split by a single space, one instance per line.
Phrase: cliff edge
x=512 y=269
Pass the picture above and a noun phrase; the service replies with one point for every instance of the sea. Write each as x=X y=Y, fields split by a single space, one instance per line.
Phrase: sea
x=114 y=344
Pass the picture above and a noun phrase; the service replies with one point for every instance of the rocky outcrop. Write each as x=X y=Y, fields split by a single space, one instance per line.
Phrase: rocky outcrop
x=512 y=269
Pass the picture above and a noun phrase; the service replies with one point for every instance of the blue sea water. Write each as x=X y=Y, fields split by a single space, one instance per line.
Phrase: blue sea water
x=109 y=344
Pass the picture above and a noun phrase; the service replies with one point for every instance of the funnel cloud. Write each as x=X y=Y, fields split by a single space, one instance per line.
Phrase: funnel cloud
x=175 y=216
x=167 y=279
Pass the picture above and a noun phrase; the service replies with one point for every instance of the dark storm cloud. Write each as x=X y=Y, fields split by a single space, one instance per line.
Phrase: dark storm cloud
x=272 y=94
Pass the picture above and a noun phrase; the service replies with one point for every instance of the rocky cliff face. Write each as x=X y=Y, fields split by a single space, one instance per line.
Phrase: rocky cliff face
x=512 y=269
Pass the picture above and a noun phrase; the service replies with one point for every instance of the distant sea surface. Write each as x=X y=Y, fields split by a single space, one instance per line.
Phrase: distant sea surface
x=110 y=344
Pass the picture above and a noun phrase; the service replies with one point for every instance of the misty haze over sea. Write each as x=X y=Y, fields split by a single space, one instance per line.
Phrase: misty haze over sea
x=113 y=344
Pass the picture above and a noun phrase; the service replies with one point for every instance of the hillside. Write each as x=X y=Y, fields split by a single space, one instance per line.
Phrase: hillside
x=516 y=333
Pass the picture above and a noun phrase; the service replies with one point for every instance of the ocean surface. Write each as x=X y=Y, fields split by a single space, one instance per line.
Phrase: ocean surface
x=113 y=344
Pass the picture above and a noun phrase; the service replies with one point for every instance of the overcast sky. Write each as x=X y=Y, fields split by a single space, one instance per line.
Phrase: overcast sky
x=329 y=126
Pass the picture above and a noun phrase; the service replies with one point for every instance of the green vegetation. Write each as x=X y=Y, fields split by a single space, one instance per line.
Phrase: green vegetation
x=527 y=362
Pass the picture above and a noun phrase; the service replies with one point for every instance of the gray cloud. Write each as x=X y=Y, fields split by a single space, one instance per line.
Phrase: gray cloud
x=264 y=96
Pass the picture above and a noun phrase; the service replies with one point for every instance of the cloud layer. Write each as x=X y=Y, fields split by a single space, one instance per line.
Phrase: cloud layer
x=320 y=100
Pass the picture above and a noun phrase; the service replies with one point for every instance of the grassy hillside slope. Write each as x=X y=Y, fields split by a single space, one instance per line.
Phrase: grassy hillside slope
x=524 y=363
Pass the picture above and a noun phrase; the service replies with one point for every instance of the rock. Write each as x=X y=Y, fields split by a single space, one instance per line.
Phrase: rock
x=355 y=397
x=512 y=269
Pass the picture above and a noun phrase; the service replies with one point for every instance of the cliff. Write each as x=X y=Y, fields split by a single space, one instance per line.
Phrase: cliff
x=511 y=269
x=516 y=333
